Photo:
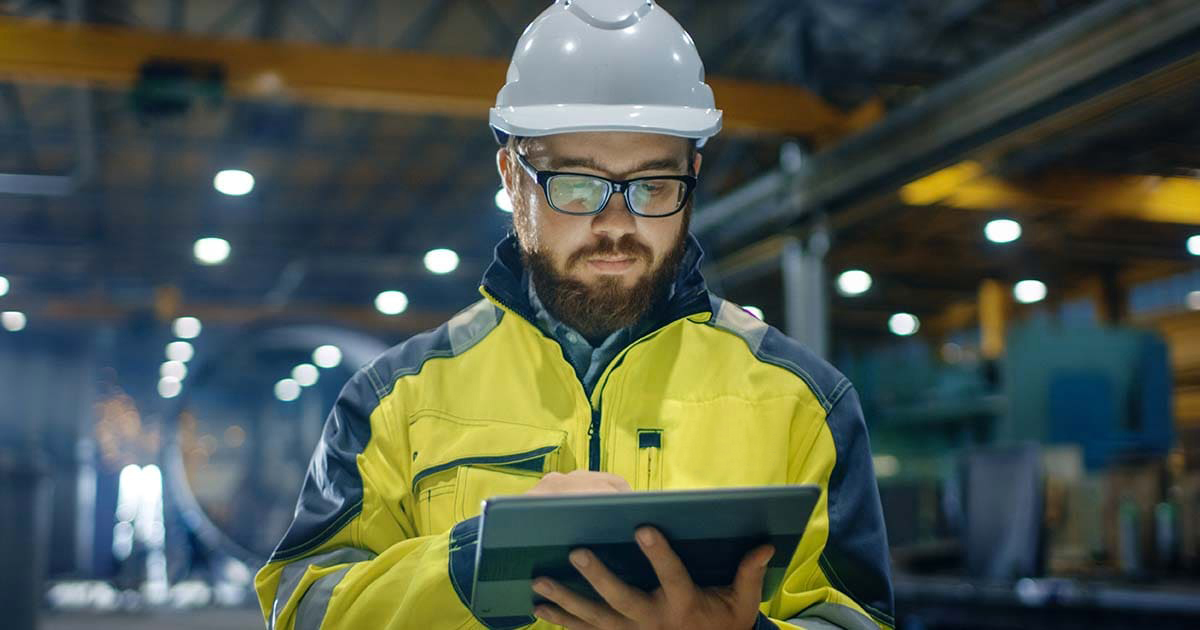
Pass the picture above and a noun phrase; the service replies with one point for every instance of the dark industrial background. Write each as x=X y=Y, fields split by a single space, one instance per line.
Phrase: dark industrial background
x=1033 y=400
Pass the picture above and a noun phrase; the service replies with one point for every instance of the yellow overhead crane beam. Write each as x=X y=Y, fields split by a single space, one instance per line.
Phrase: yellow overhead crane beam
x=409 y=82
x=1141 y=197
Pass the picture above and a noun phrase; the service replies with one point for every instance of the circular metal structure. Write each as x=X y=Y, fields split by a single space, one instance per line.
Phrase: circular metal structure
x=238 y=454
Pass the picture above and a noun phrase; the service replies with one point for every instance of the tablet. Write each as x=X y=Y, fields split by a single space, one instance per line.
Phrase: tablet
x=525 y=537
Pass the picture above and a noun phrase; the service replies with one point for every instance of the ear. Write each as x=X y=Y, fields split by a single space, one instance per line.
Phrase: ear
x=504 y=167
x=696 y=164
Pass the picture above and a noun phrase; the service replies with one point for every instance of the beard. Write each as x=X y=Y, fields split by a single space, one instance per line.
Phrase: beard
x=597 y=310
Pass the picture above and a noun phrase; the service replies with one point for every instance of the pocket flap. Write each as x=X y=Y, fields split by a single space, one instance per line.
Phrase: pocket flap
x=441 y=442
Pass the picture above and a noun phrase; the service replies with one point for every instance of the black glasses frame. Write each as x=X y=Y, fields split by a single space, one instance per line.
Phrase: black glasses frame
x=614 y=186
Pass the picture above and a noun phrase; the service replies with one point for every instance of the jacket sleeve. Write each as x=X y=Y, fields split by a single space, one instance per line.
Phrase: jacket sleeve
x=839 y=576
x=352 y=557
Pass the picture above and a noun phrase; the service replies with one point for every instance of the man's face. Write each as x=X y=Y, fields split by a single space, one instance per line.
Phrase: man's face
x=613 y=260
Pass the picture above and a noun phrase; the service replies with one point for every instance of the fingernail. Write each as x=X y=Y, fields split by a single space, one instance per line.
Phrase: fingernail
x=541 y=588
x=646 y=538
x=767 y=560
x=579 y=558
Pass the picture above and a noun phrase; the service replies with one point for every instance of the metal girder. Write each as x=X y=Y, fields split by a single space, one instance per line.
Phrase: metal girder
x=377 y=80
x=1145 y=198
x=1052 y=82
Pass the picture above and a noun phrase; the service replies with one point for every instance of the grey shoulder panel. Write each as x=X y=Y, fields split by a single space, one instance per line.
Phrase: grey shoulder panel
x=732 y=318
x=455 y=337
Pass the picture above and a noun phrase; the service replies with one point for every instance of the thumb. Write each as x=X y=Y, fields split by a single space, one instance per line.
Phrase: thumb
x=747 y=585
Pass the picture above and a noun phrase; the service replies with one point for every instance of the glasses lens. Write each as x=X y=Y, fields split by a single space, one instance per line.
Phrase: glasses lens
x=656 y=197
x=577 y=194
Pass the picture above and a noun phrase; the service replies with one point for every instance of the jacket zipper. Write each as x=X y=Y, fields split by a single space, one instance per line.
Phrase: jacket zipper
x=593 y=432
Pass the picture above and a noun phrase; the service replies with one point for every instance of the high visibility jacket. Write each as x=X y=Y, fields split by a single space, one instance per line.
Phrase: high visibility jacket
x=485 y=405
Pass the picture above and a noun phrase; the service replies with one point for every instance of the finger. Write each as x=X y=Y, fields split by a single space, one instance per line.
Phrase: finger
x=747 y=585
x=558 y=616
x=578 y=606
x=620 y=484
x=627 y=600
x=672 y=575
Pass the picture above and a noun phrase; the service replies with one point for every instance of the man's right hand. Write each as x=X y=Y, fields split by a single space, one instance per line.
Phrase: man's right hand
x=580 y=482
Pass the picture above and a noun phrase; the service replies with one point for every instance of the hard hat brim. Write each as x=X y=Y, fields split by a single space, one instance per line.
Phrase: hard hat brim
x=545 y=120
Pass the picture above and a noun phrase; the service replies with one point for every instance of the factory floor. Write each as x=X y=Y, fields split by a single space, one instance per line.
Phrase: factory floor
x=204 y=619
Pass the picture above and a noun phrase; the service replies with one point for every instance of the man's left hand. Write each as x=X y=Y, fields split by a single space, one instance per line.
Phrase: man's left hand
x=676 y=603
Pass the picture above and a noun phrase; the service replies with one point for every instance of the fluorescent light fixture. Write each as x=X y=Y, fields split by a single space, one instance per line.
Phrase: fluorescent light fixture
x=755 y=311
x=1193 y=300
x=169 y=387
x=14 y=321
x=502 y=201
x=854 y=282
x=327 y=356
x=287 y=390
x=3 y=285
x=886 y=465
x=391 y=302
x=441 y=261
x=306 y=374
x=1002 y=231
x=1029 y=291
x=181 y=351
x=211 y=250
x=175 y=369
x=187 y=327
x=904 y=324
x=1193 y=245
x=234 y=182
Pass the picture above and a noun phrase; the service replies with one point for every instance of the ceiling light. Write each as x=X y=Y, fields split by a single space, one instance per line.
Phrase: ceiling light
x=181 y=351
x=755 y=311
x=1002 y=231
x=14 y=321
x=1193 y=245
x=186 y=327
x=441 y=261
x=1193 y=300
x=211 y=250
x=391 y=302
x=1029 y=291
x=287 y=390
x=3 y=285
x=169 y=387
x=306 y=374
x=502 y=201
x=854 y=282
x=234 y=182
x=904 y=324
x=327 y=356
x=175 y=369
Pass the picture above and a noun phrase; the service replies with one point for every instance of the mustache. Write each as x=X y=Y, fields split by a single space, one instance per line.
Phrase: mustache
x=627 y=246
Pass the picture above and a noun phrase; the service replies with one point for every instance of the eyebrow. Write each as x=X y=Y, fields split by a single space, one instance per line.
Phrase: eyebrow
x=659 y=164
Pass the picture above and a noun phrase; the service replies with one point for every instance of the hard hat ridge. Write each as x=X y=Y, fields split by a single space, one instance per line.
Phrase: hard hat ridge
x=605 y=65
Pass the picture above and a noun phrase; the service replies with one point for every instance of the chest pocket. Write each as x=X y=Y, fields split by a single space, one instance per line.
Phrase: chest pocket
x=459 y=462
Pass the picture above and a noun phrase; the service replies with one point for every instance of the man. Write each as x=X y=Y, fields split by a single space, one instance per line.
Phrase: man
x=597 y=362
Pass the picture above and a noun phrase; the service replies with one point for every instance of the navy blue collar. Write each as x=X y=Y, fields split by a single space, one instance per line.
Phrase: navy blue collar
x=689 y=296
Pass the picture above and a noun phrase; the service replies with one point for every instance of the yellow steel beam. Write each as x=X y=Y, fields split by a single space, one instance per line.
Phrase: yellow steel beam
x=1147 y=198
x=409 y=82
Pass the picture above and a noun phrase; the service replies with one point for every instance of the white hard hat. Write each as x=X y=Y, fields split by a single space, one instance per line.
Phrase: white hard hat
x=605 y=65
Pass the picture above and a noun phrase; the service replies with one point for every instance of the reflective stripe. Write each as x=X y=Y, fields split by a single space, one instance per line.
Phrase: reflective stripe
x=294 y=572
x=831 y=615
x=471 y=325
x=813 y=624
x=736 y=320
x=311 y=611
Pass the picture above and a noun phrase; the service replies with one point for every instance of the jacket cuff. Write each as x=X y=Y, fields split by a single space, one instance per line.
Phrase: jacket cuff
x=463 y=544
x=763 y=623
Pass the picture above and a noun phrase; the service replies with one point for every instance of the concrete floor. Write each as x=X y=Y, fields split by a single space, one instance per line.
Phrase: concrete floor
x=209 y=619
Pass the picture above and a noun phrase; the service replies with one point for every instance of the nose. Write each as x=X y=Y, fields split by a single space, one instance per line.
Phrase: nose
x=615 y=220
